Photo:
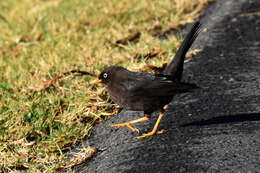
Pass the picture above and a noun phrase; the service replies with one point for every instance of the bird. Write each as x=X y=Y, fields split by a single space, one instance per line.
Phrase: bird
x=149 y=92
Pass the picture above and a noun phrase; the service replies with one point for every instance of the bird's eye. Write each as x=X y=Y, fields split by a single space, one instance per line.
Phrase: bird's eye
x=105 y=75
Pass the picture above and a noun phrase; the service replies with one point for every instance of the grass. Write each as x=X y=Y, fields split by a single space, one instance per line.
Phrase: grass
x=40 y=40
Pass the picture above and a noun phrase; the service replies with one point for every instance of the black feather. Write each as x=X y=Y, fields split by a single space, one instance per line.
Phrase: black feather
x=175 y=67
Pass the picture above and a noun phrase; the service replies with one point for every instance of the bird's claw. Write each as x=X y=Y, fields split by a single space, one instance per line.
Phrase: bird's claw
x=160 y=132
x=118 y=125
x=126 y=125
x=151 y=134
x=146 y=135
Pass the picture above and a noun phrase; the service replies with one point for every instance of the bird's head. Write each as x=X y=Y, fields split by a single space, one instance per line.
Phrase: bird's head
x=107 y=74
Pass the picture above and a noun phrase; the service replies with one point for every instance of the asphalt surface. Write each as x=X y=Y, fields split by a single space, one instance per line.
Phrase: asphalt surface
x=215 y=129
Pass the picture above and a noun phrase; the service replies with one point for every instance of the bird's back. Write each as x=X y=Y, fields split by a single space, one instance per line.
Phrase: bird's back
x=145 y=91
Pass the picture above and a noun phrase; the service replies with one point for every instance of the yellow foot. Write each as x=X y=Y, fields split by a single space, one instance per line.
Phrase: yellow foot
x=129 y=124
x=151 y=134
x=160 y=132
x=154 y=131
x=125 y=125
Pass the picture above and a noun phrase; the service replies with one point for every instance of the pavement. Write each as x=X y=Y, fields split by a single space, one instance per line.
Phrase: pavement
x=214 y=129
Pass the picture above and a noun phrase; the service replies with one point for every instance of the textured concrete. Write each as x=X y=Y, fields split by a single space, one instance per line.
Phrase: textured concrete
x=215 y=129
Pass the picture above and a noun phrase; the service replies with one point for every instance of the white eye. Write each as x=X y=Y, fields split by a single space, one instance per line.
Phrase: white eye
x=105 y=75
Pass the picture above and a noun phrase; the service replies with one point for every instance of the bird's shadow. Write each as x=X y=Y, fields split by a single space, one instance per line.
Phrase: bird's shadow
x=243 y=117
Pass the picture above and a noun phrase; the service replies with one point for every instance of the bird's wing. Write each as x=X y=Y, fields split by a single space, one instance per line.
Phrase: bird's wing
x=147 y=84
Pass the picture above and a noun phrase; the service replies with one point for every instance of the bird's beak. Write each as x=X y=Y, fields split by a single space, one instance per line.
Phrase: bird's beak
x=95 y=82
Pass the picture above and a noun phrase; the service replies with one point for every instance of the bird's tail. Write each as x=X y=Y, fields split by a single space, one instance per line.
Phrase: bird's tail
x=175 y=67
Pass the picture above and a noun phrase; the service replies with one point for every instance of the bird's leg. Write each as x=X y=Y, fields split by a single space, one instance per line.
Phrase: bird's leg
x=154 y=131
x=128 y=124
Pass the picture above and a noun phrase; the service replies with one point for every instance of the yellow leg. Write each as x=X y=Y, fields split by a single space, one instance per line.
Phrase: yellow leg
x=128 y=124
x=154 y=128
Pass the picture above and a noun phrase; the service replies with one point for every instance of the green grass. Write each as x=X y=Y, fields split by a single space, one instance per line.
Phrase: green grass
x=42 y=39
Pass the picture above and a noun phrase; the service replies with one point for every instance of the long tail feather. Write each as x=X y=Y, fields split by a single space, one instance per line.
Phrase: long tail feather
x=175 y=68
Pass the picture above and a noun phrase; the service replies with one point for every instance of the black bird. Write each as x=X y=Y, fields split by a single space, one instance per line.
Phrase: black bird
x=140 y=91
